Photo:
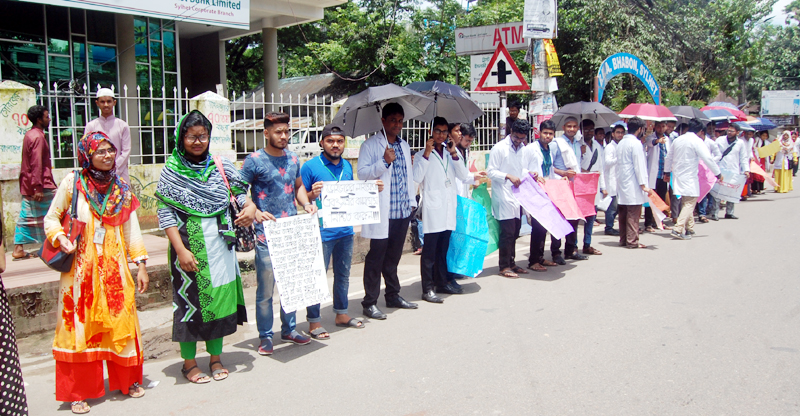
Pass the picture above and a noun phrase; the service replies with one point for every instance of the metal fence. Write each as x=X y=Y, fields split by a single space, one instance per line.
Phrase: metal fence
x=153 y=114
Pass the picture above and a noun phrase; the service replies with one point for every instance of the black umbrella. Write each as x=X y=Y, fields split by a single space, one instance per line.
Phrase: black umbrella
x=684 y=113
x=449 y=101
x=361 y=113
x=601 y=115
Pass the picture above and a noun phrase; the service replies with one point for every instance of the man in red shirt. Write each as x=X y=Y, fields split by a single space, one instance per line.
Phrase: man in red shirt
x=36 y=184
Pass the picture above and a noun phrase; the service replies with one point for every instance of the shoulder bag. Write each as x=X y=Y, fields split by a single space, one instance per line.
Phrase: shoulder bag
x=53 y=257
x=245 y=236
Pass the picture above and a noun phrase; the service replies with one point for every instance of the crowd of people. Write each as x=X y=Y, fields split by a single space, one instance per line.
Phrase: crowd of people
x=197 y=190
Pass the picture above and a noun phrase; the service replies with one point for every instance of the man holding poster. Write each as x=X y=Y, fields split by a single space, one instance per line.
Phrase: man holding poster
x=436 y=169
x=567 y=159
x=274 y=176
x=735 y=158
x=336 y=242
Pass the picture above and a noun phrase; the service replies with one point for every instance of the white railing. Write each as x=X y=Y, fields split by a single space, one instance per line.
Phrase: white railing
x=152 y=116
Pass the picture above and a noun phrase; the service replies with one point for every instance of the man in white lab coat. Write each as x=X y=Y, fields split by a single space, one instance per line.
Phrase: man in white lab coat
x=436 y=169
x=682 y=164
x=657 y=146
x=537 y=163
x=566 y=152
x=505 y=171
x=591 y=160
x=632 y=187
x=386 y=156
x=707 y=207
x=468 y=134
x=735 y=157
x=610 y=174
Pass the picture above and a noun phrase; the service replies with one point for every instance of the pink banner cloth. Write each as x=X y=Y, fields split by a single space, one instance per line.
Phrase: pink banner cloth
x=707 y=180
x=534 y=199
x=560 y=192
x=754 y=168
x=585 y=189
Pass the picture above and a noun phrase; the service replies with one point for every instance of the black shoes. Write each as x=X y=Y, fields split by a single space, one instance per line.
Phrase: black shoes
x=559 y=260
x=450 y=289
x=399 y=302
x=374 y=313
x=577 y=256
x=731 y=217
x=612 y=232
x=431 y=297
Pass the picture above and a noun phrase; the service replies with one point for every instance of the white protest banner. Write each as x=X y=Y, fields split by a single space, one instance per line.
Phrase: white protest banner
x=295 y=249
x=730 y=187
x=348 y=203
x=226 y=13
x=539 y=19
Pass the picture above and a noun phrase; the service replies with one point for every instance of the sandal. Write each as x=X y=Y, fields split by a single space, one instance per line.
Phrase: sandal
x=80 y=407
x=519 y=270
x=509 y=274
x=537 y=267
x=136 y=391
x=640 y=245
x=703 y=220
x=220 y=373
x=199 y=378
x=319 y=333
x=548 y=263
x=27 y=256
x=352 y=323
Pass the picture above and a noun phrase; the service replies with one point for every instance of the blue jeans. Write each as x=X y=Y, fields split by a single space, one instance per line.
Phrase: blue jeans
x=611 y=213
x=587 y=231
x=708 y=206
x=266 y=287
x=342 y=251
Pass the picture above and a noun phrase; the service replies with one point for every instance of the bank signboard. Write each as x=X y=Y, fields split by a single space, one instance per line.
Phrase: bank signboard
x=226 y=13
x=484 y=39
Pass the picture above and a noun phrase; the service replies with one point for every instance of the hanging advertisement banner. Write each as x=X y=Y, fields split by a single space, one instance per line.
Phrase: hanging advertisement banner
x=539 y=20
x=226 y=13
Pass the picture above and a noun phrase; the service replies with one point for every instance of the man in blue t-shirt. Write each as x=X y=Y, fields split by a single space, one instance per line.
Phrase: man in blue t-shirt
x=336 y=242
x=274 y=175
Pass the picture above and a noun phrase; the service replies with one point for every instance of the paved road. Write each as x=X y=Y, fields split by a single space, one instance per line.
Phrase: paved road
x=703 y=327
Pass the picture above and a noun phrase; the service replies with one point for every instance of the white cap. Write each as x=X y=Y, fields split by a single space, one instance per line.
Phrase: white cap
x=105 y=92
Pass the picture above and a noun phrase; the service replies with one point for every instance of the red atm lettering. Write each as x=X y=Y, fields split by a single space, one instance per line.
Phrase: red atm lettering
x=516 y=36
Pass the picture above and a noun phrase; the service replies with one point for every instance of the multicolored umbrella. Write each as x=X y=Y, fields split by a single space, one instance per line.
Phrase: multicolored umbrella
x=739 y=114
x=651 y=112
x=719 y=115
x=762 y=123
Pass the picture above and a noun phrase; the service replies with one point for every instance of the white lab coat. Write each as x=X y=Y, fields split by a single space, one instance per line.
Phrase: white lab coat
x=737 y=159
x=711 y=144
x=653 y=154
x=462 y=186
x=683 y=162
x=567 y=154
x=631 y=171
x=532 y=159
x=503 y=160
x=610 y=168
x=440 y=201
x=371 y=166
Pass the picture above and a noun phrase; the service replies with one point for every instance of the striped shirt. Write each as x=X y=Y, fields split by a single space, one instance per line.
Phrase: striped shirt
x=399 y=203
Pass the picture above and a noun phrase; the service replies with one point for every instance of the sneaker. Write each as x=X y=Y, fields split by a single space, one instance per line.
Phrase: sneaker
x=266 y=347
x=678 y=235
x=296 y=338
x=714 y=218
x=612 y=232
x=690 y=232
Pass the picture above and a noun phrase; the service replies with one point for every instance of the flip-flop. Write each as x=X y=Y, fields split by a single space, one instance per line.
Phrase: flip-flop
x=548 y=263
x=509 y=274
x=220 y=371
x=25 y=257
x=640 y=245
x=352 y=323
x=539 y=269
x=136 y=391
x=83 y=410
x=197 y=377
x=317 y=333
x=519 y=270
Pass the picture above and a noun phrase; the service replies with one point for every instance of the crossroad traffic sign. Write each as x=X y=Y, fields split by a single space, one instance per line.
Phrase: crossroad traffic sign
x=502 y=73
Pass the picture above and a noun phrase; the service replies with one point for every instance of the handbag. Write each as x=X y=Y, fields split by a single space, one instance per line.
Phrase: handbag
x=245 y=236
x=53 y=257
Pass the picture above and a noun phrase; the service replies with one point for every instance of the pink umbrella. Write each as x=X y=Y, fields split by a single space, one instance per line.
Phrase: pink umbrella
x=739 y=114
x=649 y=112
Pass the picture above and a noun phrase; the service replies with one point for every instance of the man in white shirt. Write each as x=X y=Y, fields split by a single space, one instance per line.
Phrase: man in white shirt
x=566 y=151
x=591 y=161
x=683 y=164
x=537 y=162
x=468 y=134
x=436 y=169
x=657 y=147
x=734 y=158
x=631 y=183
x=386 y=156
x=505 y=171
x=610 y=174
x=707 y=207
x=118 y=132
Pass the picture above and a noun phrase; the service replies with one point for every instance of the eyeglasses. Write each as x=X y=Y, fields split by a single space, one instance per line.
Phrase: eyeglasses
x=203 y=138
x=104 y=152
x=437 y=131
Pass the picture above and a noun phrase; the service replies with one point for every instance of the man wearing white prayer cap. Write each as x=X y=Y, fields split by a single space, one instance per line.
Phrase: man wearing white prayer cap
x=117 y=130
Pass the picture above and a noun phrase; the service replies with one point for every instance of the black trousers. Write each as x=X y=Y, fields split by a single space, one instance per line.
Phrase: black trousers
x=382 y=258
x=571 y=241
x=509 y=233
x=433 y=263
x=538 y=236
x=661 y=190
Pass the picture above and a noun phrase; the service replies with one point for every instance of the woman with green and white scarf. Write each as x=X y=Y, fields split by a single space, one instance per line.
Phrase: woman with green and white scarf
x=208 y=302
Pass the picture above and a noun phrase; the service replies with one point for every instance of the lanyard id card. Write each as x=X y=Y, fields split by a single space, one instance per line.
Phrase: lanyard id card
x=99 y=232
